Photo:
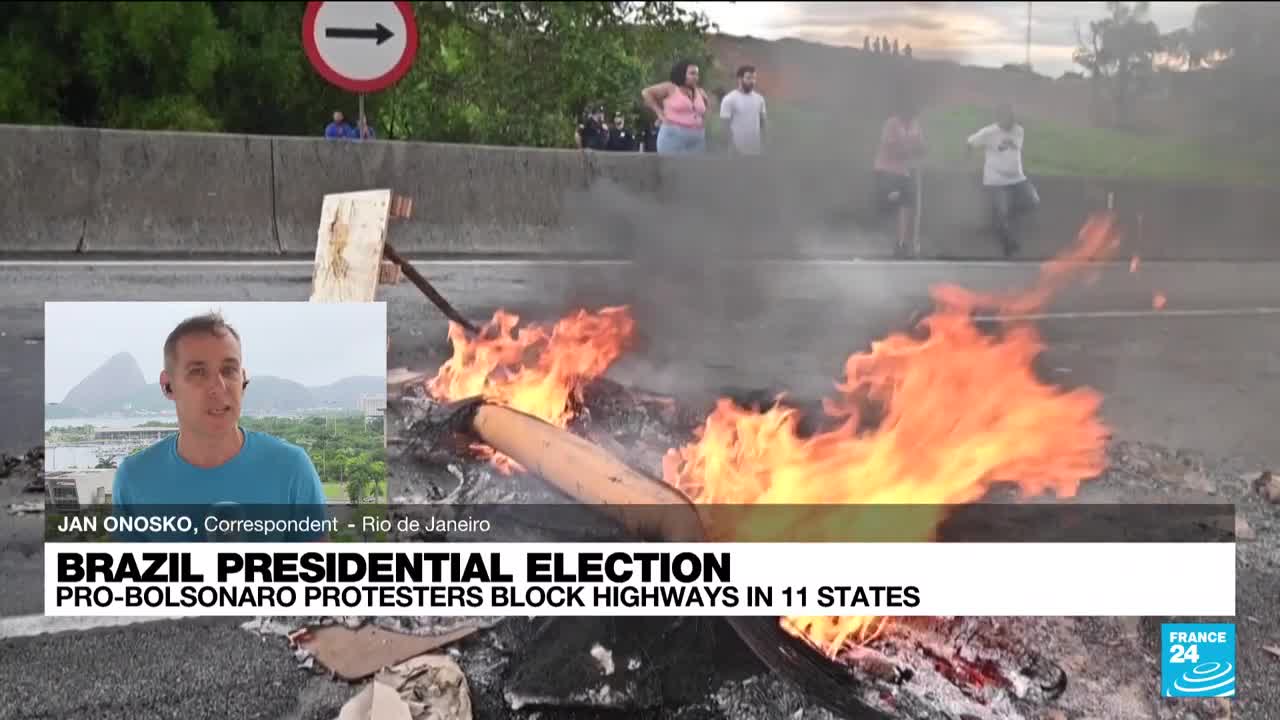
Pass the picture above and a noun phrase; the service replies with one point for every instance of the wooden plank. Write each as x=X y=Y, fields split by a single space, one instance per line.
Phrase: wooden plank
x=357 y=654
x=390 y=273
x=352 y=234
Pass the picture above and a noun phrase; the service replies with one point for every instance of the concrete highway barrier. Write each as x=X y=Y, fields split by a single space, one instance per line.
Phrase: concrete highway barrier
x=100 y=191
x=182 y=193
x=467 y=198
x=49 y=175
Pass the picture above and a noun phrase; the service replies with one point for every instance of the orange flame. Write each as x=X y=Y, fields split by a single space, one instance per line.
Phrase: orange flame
x=535 y=370
x=1133 y=264
x=1158 y=301
x=957 y=411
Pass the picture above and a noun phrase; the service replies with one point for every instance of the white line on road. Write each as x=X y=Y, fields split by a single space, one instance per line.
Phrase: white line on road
x=274 y=263
x=1082 y=315
x=30 y=625
x=268 y=263
x=1086 y=315
x=155 y=263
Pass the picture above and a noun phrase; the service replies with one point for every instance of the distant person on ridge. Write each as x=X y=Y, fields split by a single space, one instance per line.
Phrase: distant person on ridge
x=744 y=111
x=680 y=104
x=339 y=129
x=1010 y=191
x=901 y=150
x=211 y=461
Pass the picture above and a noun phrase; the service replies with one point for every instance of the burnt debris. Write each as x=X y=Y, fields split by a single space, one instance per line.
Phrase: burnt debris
x=686 y=668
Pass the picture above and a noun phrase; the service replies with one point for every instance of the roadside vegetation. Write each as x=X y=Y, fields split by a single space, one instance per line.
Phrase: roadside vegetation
x=522 y=74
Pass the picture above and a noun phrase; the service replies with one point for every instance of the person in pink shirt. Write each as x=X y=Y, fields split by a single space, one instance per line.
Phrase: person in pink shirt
x=901 y=150
x=680 y=105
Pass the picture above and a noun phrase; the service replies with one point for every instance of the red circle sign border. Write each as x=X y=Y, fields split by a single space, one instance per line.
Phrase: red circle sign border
x=361 y=86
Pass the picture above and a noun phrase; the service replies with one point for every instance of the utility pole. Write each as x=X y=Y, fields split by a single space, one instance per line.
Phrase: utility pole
x=1028 y=37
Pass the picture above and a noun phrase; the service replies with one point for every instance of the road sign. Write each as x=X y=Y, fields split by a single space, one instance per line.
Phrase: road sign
x=360 y=46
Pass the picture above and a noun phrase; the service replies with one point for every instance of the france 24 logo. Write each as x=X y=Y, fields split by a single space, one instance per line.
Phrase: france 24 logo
x=1198 y=660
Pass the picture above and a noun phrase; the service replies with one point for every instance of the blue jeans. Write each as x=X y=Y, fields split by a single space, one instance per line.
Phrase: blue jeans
x=674 y=140
x=1009 y=202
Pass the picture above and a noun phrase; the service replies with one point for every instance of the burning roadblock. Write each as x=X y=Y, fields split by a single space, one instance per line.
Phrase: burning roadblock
x=948 y=413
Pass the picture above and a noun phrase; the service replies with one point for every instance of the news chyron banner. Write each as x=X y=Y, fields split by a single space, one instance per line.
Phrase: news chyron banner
x=546 y=560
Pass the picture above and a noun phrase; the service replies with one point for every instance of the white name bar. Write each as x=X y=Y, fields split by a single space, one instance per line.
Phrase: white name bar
x=641 y=579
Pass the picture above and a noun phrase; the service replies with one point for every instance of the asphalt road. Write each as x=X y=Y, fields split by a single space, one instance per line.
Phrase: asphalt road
x=1203 y=374
x=1200 y=374
x=203 y=668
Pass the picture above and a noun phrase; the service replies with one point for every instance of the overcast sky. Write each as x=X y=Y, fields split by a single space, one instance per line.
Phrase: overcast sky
x=972 y=33
x=310 y=343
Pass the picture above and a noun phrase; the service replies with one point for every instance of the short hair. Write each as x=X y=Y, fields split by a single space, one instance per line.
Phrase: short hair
x=746 y=69
x=680 y=71
x=210 y=323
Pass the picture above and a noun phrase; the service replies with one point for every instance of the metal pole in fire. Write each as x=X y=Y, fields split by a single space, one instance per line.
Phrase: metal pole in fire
x=915 y=224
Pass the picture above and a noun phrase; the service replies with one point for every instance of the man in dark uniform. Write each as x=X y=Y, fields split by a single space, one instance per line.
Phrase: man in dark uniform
x=620 y=138
x=649 y=138
x=592 y=133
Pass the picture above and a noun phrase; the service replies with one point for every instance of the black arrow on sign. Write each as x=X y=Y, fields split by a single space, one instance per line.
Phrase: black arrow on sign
x=379 y=33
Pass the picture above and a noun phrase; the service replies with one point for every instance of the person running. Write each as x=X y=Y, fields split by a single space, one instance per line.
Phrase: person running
x=901 y=150
x=1007 y=185
x=680 y=105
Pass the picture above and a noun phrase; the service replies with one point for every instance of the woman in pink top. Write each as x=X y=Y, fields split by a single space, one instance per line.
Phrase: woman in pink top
x=680 y=106
x=901 y=149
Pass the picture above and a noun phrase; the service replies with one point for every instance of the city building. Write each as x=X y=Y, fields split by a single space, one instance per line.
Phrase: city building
x=142 y=434
x=70 y=490
x=373 y=406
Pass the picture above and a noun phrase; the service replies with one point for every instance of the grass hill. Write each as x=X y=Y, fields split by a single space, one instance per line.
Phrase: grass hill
x=826 y=100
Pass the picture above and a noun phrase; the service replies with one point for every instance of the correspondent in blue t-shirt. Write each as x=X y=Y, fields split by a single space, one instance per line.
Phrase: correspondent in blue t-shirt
x=212 y=463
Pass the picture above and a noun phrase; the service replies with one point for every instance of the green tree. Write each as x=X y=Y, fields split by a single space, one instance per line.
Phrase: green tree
x=364 y=476
x=333 y=444
x=1120 y=54
x=267 y=85
x=1182 y=49
x=118 y=64
x=1236 y=45
x=490 y=72
x=522 y=73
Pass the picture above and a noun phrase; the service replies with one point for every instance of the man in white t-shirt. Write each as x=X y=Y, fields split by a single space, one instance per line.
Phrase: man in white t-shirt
x=744 y=111
x=1011 y=192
